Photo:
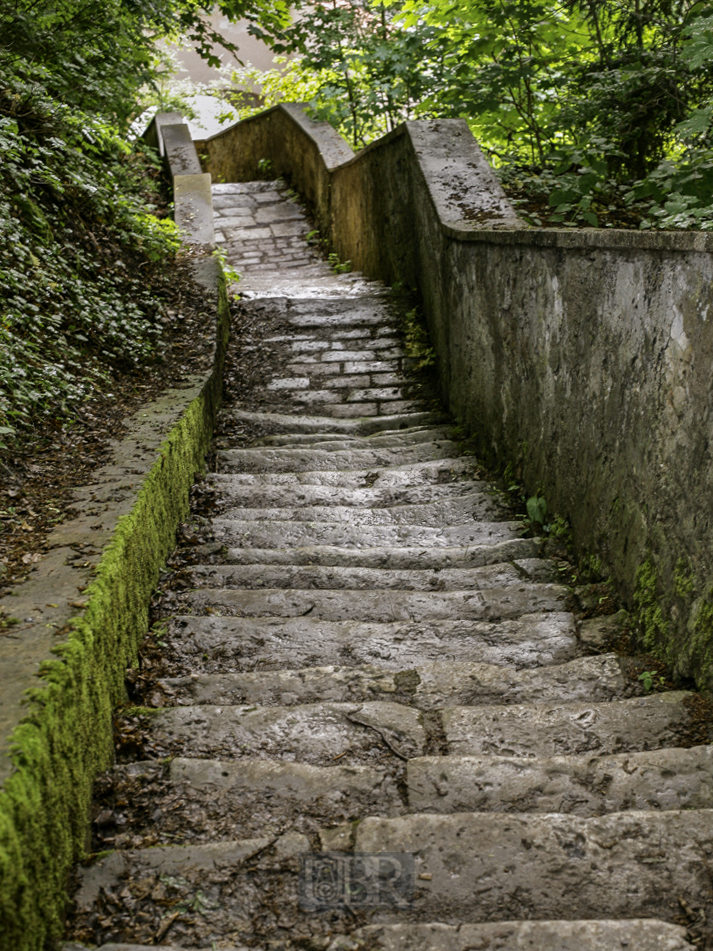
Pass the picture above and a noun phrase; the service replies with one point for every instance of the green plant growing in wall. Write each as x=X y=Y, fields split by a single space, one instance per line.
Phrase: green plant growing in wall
x=339 y=267
x=536 y=511
x=651 y=678
x=417 y=342
x=232 y=276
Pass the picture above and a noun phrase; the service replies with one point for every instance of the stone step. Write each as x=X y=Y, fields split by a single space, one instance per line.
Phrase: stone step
x=554 y=728
x=370 y=309
x=112 y=946
x=338 y=342
x=346 y=401
x=294 y=423
x=259 y=575
x=407 y=437
x=638 y=934
x=475 y=506
x=490 y=867
x=358 y=733
x=479 y=868
x=426 y=687
x=322 y=351
x=296 y=534
x=376 y=732
x=416 y=474
x=202 y=895
x=319 y=460
x=401 y=559
x=373 y=409
x=222 y=645
x=286 y=496
x=582 y=785
x=196 y=800
x=379 y=606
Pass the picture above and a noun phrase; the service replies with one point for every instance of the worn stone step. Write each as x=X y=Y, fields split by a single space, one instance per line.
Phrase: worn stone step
x=339 y=345
x=318 y=460
x=475 y=506
x=288 y=423
x=318 y=733
x=259 y=575
x=582 y=785
x=287 y=534
x=198 y=800
x=200 y=895
x=353 y=359
x=373 y=409
x=219 y=644
x=331 y=441
x=334 y=400
x=379 y=606
x=476 y=868
x=554 y=728
x=490 y=867
x=426 y=687
x=298 y=494
x=420 y=473
x=638 y=934
x=370 y=309
x=112 y=946
x=402 y=559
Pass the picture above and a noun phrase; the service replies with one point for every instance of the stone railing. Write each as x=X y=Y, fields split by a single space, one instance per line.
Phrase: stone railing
x=584 y=358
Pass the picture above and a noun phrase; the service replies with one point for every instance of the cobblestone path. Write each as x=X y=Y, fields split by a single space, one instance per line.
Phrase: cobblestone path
x=366 y=656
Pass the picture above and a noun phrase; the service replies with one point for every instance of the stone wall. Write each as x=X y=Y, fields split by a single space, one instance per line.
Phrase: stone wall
x=583 y=358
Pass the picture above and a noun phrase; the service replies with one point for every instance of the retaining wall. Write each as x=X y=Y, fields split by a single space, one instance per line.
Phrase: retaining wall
x=584 y=358
x=82 y=615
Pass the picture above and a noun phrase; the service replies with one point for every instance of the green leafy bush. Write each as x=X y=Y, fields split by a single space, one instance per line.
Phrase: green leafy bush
x=77 y=244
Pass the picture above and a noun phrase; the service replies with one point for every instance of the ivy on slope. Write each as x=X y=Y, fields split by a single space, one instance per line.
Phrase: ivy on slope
x=78 y=248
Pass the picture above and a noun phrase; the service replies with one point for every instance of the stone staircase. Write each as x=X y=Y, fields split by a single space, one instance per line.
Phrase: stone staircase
x=365 y=657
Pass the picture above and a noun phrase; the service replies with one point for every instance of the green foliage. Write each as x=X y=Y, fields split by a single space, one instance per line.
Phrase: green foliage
x=536 y=510
x=80 y=247
x=359 y=68
x=650 y=677
x=417 y=342
x=596 y=113
x=66 y=738
x=232 y=276
x=75 y=233
x=338 y=266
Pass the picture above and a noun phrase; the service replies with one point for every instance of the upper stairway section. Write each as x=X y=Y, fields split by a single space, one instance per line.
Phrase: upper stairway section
x=584 y=357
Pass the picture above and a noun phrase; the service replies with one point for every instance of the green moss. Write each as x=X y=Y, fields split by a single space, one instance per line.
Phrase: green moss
x=701 y=642
x=684 y=584
x=66 y=738
x=649 y=615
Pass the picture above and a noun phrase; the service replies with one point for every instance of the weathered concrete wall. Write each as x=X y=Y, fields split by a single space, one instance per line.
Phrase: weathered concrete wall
x=584 y=358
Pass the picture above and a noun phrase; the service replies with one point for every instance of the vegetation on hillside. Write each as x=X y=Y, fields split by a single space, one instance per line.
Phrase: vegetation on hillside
x=82 y=250
x=595 y=112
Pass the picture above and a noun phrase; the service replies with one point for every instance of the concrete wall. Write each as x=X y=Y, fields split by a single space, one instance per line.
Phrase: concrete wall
x=583 y=357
